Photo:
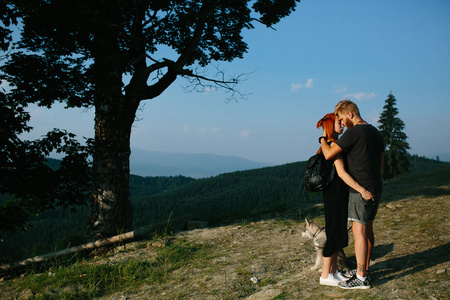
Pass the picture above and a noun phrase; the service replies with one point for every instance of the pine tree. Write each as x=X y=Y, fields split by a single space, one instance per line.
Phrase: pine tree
x=395 y=157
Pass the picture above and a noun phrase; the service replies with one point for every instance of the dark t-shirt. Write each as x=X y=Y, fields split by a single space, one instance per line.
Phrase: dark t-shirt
x=363 y=145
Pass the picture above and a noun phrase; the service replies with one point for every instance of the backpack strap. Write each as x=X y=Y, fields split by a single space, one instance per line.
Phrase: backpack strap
x=303 y=190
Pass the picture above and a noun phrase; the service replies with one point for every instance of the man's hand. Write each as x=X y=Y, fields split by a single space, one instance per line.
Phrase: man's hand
x=367 y=195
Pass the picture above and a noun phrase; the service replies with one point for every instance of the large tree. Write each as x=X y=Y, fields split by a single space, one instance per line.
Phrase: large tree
x=396 y=160
x=80 y=51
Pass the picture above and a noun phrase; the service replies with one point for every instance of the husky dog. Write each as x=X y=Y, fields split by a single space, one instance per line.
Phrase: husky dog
x=317 y=233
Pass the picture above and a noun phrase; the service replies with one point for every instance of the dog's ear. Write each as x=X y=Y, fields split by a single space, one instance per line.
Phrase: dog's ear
x=307 y=221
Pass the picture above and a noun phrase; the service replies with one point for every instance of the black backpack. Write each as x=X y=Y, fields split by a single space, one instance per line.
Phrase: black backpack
x=319 y=173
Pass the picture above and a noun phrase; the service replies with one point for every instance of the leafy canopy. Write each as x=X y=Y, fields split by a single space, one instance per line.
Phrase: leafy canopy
x=67 y=46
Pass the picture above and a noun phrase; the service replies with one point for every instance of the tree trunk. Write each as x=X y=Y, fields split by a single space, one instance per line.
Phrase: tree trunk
x=111 y=211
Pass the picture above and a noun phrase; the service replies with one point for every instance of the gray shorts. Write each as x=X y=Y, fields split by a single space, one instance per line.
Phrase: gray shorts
x=361 y=210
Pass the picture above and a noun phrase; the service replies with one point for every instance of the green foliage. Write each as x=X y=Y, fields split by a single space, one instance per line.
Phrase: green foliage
x=227 y=196
x=28 y=185
x=91 y=280
x=395 y=156
x=60 y=228
x=420 y=164
x=282 y=296
x=273 y=11
x=8 y=17
x=50 y=231
x=146 y=186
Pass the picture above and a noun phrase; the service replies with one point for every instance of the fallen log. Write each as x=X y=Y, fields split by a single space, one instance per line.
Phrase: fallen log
x=177 y=224
x=68 y=251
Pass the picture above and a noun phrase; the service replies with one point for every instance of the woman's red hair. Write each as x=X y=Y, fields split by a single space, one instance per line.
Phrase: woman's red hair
x=327 y=123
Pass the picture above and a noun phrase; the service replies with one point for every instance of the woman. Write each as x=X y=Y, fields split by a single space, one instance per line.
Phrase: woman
x=335 y=197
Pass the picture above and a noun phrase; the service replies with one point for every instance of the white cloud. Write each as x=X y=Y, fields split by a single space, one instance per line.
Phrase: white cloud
x=215 y=129
x=245 y=133
x=296 y=86
x=200 y=130
x=209 y=89
x=361 y=96
x=339 y=88
x=309 y=85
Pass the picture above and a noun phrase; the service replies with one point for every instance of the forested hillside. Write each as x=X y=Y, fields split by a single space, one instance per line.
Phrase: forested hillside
x=159 y=199
x=61 y=228
x=231 y=195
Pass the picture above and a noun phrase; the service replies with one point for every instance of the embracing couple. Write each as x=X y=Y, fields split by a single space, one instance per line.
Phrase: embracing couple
x=358 y=158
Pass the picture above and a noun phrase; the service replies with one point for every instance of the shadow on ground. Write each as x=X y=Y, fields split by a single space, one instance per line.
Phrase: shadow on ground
x=394 y=268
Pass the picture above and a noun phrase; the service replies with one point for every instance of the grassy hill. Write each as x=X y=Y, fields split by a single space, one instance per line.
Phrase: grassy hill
x=159 y=199
x=219 y=199
x=265 y=257
x=231 y=195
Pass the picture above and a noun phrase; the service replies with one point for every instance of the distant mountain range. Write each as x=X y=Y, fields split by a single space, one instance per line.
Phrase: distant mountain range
x=196 y=165
x=154 y=163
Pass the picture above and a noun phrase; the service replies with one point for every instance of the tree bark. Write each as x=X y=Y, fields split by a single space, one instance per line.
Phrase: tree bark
x=111 y=211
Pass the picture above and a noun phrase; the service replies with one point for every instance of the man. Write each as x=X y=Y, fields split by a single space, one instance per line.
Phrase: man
x=363 y=145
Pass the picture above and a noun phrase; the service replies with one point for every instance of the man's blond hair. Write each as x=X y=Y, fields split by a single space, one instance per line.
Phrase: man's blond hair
x=346 y=106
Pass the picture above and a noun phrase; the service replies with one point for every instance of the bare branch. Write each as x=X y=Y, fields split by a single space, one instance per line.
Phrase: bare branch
x=201 y=83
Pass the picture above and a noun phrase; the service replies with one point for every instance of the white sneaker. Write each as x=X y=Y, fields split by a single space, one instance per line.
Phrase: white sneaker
x=331 y=280
x=338 y=275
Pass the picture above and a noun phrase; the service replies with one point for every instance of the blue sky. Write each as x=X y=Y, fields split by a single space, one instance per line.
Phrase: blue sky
x=324 y=52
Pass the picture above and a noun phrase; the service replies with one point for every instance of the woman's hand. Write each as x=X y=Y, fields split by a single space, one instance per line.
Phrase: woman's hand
x=367 y=195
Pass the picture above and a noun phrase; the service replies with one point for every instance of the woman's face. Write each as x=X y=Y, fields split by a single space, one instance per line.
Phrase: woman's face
x=338 y=126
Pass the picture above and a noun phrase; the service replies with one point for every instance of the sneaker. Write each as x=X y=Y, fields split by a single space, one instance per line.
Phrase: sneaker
x=354 y=283
x=331 y=280
x=339 y=276
x=351 y=273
